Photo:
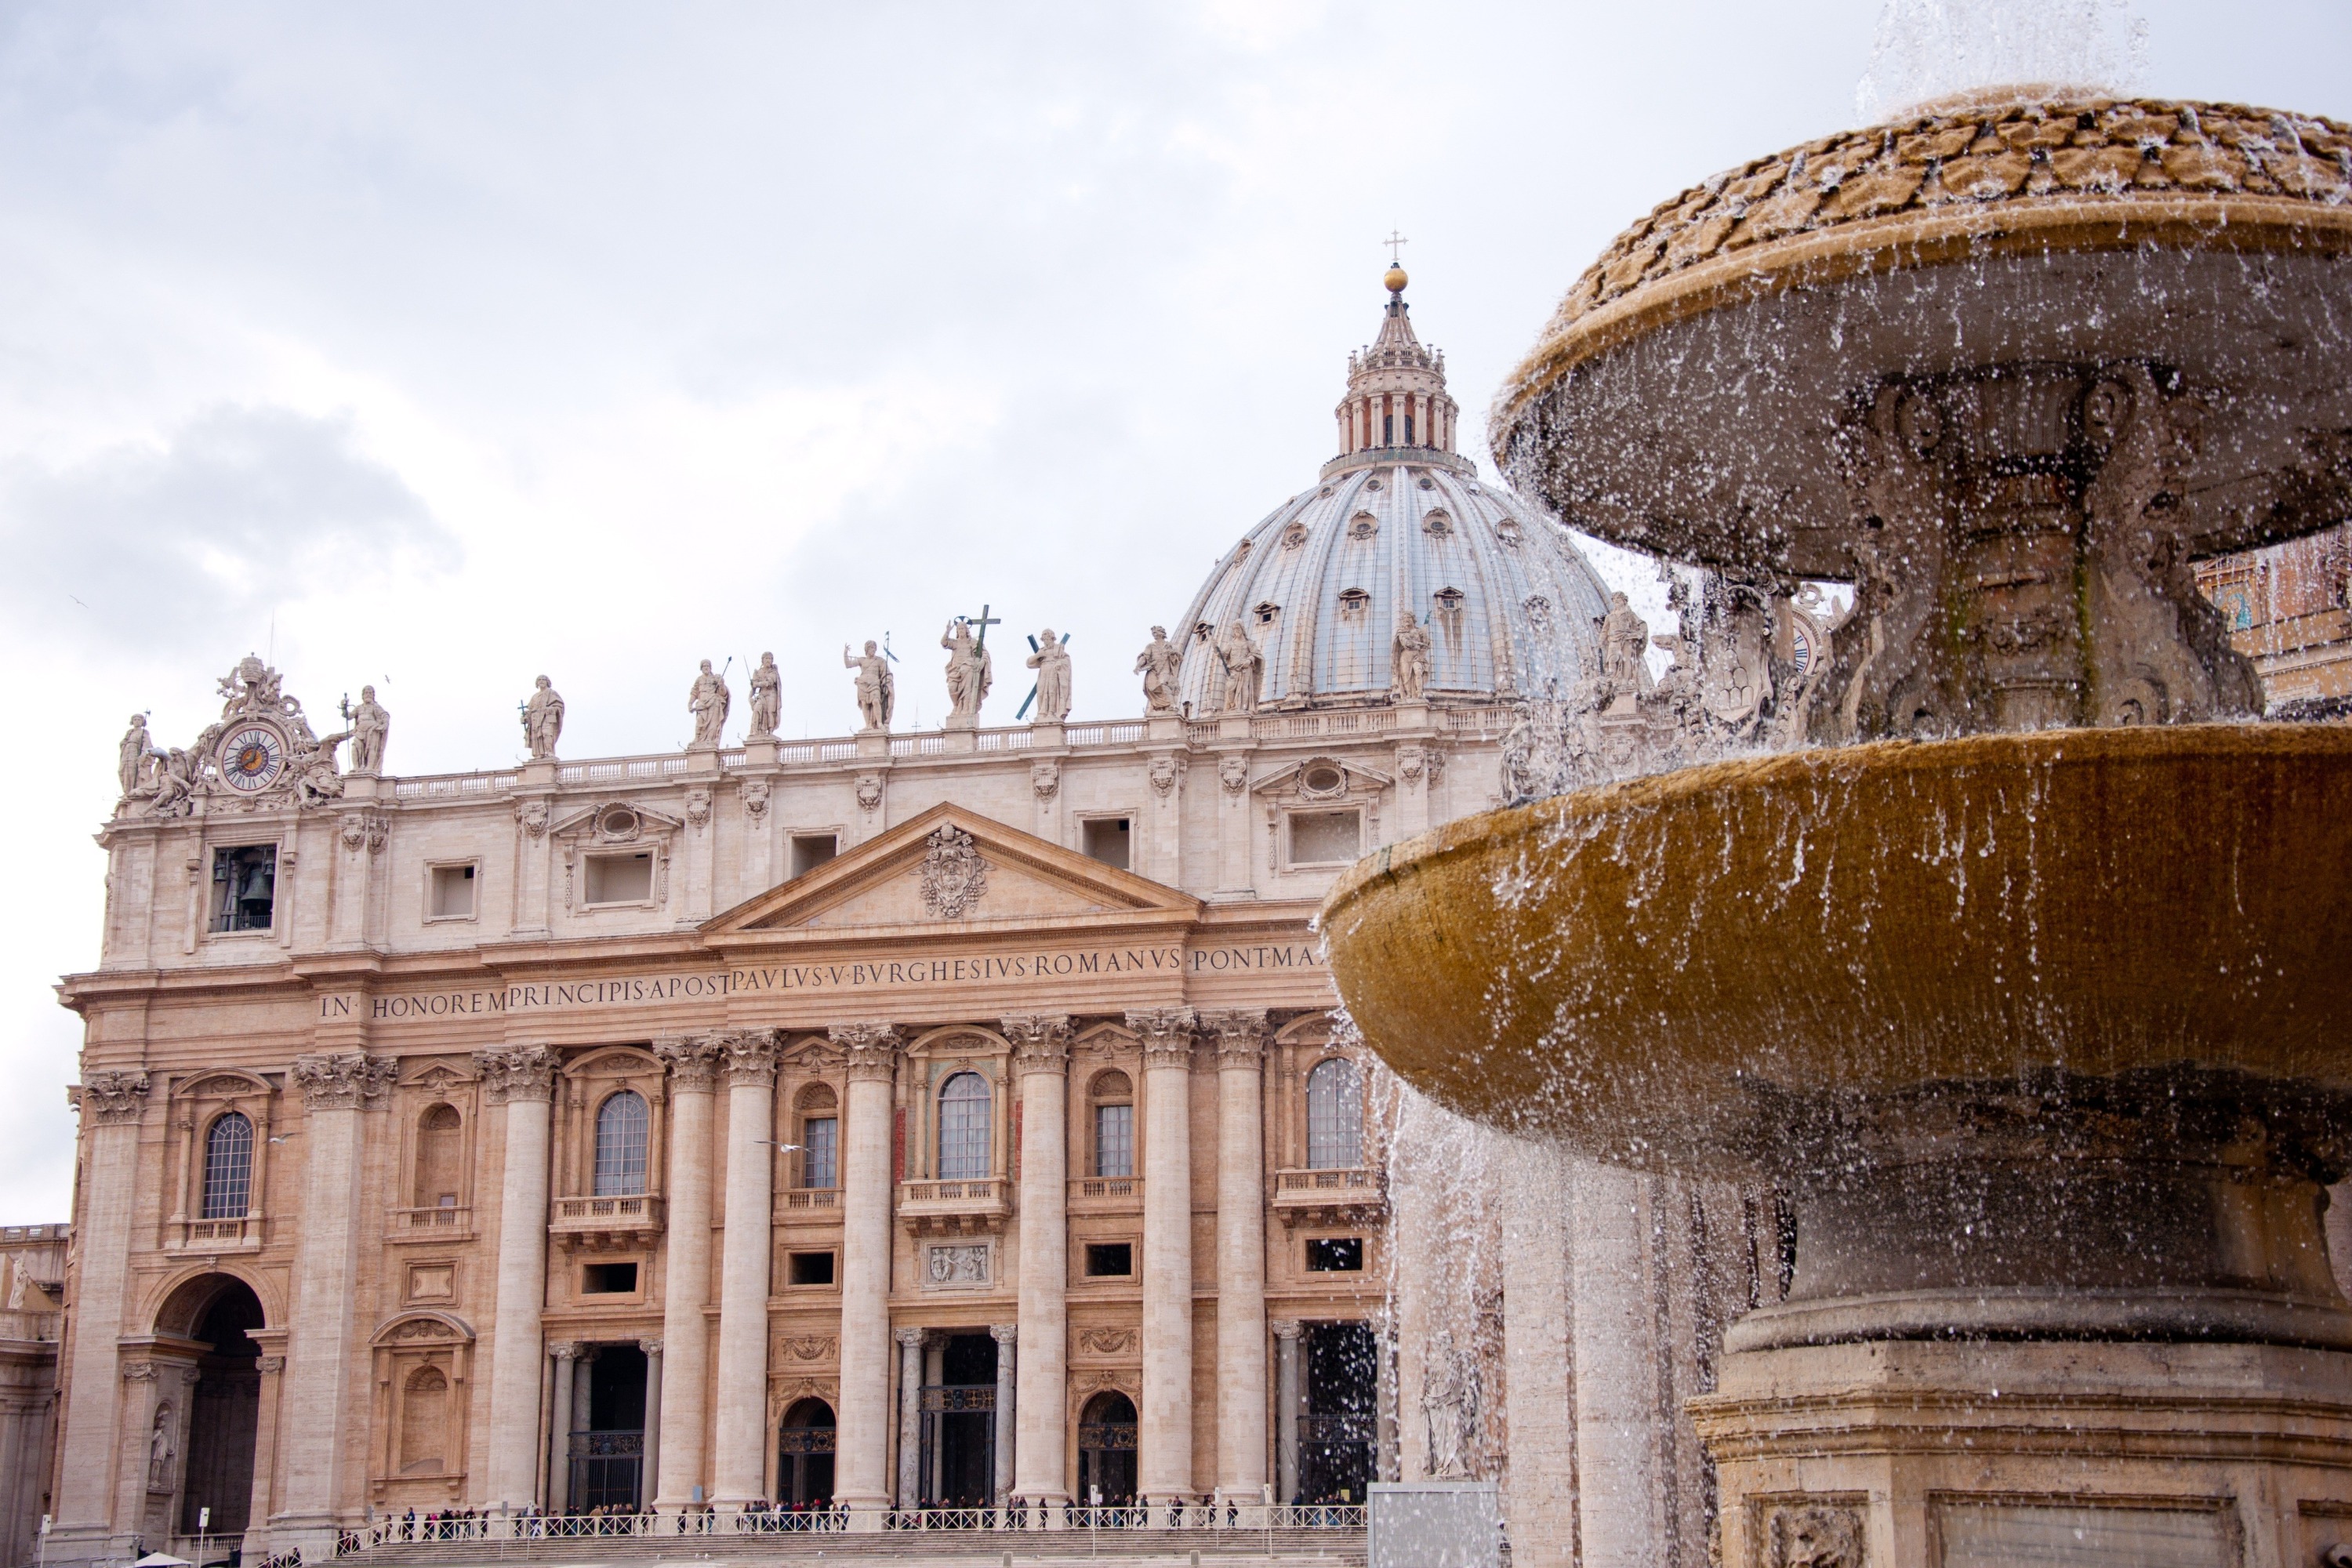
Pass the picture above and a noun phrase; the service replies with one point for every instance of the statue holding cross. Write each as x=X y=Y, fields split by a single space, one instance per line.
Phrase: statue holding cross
x=970 y=668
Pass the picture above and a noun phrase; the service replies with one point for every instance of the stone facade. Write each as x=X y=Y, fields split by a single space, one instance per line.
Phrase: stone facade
x=32 y=1292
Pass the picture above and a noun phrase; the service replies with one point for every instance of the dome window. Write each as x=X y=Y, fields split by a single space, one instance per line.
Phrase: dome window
x=1540 y=612
x=1353 y=604
x=1427 y=483
x=1371 y=484
x=1447 y=602
x=1294 y=536
x=1363 y=525
x=1202 y=631
x=1507 y=530
x=1241 y=551
x=1265 y=612
x=1439 y=521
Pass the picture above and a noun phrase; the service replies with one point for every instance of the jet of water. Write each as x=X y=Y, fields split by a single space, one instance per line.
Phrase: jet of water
x=1927 y=49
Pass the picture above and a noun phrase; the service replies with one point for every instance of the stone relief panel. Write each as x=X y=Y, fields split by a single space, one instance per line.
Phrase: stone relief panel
x=1810 y=1533
x=960 y=1266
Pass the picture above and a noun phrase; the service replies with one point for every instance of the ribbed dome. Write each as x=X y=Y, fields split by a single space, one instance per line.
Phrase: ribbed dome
x=1322 y=584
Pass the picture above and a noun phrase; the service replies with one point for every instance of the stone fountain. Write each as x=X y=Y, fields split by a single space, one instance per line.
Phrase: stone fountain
x=2023 y=988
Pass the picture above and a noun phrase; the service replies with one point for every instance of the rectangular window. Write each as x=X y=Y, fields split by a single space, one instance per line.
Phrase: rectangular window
x=811 y=850
x=619 y=878
x=810 y=1268
x=820 y=1151
x=1336 y=1255
x=1107 y=840
x=608 y=1279
x=1114 y=1140
x=1326 y=838
x=244 y=887
x=453 y=893
x=1106 y=1259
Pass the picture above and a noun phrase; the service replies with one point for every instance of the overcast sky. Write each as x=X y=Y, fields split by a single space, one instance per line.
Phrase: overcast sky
x=442 y=345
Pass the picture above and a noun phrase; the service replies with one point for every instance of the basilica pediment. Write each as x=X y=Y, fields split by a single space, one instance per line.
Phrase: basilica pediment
x=948 y=868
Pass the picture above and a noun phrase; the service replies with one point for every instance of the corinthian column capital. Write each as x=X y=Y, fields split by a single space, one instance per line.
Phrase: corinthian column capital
x=749 y=1056
x=870 y=1048
x=341 y=1080
x=1240 y=1034
x=111 y=1099
x=692 y=1060
x=1167 y=1035
x=518 y=1072
x=1041 y=1042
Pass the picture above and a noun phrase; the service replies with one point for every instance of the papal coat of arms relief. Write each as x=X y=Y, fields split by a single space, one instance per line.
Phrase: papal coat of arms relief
x=954 y=875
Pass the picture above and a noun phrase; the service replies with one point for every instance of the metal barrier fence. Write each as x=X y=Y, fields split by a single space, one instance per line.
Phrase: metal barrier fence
x=521 y=1529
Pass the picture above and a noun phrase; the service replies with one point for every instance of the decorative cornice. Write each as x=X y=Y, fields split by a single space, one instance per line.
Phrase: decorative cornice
x=1041 y=1042
x=870 y=1049
x=1240 y=1036
x=518 y=1072
x=692 y=1061
x=341 y=1080
x=111 y=1099
x=749 y=1056
x=1167 y=1035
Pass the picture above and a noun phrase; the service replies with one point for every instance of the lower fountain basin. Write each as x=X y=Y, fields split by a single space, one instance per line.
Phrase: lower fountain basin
x=2035 y=1034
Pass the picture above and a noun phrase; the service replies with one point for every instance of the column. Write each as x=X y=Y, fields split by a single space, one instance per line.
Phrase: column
x=651 y=1466
x=271 y=1365
x=1286 y=1412
x=1241 y=1254
x=522 y=1079
x=739 y=1466
x=319 y=1357
x=110 y=1104
x=685 y=1273
x=910 y=1418
x=862 y=1437
x=559 y=1430
x=1007 y=1336
x=1164 y=1438
x=1537 y=1386
x=1621 y=1520
x=1041 y=1061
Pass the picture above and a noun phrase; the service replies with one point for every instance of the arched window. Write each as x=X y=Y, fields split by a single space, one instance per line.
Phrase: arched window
x=1114 y=1108
x=228 y=1168
x=963 y=1128
x=820 y=1137
x=1334 y=1116
x=440 y=1156
x=621 y=1128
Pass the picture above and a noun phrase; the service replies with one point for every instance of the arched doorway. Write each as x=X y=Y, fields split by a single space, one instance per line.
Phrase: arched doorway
x=805 y=1456
x=224 y=1407
x=1107 y=1450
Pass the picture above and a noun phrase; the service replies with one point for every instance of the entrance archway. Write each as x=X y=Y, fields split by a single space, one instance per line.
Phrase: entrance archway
x=804 y=1455
x=1107 y=1450
x=224 y=1407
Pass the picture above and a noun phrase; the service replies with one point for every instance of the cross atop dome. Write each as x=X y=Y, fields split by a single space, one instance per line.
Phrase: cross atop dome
x=1396 y=388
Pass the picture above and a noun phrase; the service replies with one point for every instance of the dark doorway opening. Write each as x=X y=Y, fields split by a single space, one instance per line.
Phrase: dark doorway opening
x=224 y=1412
x=959 y=1425
x=1338 y=1434
x=804 y=1455
x=608 y=1442
x=1107 y=1451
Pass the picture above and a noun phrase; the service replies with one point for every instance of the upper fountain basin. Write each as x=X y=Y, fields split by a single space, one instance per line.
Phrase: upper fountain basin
x=1653 y=971
x=1688 y=394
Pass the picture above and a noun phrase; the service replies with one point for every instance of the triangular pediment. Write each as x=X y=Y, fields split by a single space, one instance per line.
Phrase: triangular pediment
x=949 y=869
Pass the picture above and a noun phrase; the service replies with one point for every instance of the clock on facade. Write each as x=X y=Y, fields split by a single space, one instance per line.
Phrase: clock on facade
x=252 y=758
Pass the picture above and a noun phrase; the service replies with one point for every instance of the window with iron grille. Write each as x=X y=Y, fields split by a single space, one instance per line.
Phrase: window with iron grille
x=622 y=1126
x=963 y=1128
x=1334 y=1116
x=244 y=887
x=820 y=1151
x=1114 y=1140
x=228 y=1168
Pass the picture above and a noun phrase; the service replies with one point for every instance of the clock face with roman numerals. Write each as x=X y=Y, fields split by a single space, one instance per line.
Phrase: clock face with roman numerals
x=252 y=758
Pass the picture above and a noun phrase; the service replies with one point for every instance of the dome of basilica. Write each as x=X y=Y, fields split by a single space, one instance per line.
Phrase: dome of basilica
x=1398 y=525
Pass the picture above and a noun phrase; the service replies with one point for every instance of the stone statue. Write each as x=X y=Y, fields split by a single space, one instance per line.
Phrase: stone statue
x=1409 y=659
x=1052 y=663
x=176 y=782
x=877 y=691
x=708 y=699
x=130 y=756
x=767 y=697
x=1624 y=638
x=321 y=779
x=1158 y=665
x=1241 y=658
x=542 y=719
x=370 y=726
x=970 y=674
x=160 y=1452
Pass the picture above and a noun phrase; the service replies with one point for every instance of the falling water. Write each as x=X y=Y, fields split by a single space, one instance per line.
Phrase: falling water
x=1929 y=49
